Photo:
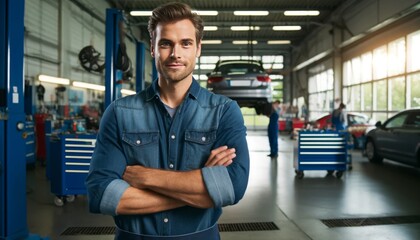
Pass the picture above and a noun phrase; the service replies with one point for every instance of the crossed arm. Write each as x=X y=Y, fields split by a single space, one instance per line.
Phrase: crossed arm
x=156 y=190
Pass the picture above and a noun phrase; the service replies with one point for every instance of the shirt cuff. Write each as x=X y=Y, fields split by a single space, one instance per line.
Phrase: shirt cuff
x=219 y=185
x=112 y=196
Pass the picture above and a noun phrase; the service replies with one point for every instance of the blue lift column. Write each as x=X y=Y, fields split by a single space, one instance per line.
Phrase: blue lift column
x=13 y=218
x=113 y=17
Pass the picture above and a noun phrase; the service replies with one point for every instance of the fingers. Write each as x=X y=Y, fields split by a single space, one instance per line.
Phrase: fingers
x=221 y=156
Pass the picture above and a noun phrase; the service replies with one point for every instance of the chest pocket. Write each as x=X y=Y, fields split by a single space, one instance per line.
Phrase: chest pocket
x=198 y=145
x=142 y=148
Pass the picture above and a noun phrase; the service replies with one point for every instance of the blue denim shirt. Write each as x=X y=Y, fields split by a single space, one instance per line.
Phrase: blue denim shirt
x=138 y=130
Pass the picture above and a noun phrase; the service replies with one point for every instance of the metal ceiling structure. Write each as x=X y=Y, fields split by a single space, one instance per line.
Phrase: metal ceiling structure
x=225 y=19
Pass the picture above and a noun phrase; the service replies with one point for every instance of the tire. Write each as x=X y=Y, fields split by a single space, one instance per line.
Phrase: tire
x=58 y=202
x=372 y=153
x=338 y=174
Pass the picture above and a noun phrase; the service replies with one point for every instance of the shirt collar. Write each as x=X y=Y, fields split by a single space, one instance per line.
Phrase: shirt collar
x=153 y=90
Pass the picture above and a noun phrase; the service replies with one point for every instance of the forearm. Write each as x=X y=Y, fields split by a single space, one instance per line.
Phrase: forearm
x=185 y=186
x=139 y=201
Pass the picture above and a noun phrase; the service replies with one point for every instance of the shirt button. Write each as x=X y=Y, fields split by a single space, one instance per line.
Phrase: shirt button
x=165 y=220
x=171 y=165
x=173 y=136
x=138 y=141
x=203 y=139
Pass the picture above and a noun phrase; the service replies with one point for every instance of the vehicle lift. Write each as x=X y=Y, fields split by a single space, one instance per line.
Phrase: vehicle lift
x=13 y=224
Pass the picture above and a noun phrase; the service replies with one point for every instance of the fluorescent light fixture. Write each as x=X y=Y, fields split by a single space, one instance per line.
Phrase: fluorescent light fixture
x=206 y=12
x=56 y=80
x=88 y=86
x=301 y=13
x=250 y=13
x=244 y=42
x=210 y=28
x=127 y=92
x=211 y=41
x=141 y=13
x=244 y=28
x=287 y=28
x=278 y=42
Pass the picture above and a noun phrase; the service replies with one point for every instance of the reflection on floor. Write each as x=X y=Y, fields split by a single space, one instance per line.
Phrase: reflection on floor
x=275 y=195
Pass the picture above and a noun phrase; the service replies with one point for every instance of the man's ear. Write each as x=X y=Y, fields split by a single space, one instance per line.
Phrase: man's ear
x=152 y=49
x=198 y=53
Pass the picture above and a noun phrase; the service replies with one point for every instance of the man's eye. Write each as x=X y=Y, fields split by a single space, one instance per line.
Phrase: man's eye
x=165 y=44
x=187 y=43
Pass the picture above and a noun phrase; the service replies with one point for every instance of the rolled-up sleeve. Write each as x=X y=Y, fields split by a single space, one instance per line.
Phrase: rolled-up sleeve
x=107 y=164
x=219 y=186
x=221 y=181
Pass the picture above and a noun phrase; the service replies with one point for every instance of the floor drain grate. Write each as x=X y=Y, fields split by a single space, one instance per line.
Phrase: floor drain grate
x=223 y=227
x=243 y=227
x=89 y=231
x=360 y=222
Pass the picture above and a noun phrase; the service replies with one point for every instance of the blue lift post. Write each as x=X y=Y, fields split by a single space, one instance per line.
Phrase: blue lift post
x=113 y=17
x=13 y=212
x=112 y=41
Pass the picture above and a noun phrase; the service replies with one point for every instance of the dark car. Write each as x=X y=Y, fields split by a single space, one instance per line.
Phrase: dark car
x=244 y=81
x=357 y=124
x=397 y=139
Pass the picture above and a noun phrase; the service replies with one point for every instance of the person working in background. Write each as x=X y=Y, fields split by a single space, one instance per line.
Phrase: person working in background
x=273 y=129
x=338 y=118
x=170 y=157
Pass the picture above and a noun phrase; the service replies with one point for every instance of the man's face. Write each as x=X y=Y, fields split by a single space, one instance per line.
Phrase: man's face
x=175 y=50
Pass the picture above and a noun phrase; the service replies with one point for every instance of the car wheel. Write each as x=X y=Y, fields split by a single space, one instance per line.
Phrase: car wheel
x=371 y=152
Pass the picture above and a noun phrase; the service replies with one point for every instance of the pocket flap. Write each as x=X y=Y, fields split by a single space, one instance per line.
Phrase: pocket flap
x=140 y=138
x=200 y=137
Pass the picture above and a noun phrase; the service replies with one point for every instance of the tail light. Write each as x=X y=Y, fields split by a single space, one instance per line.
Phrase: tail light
x=264 y=78
x=214 y=79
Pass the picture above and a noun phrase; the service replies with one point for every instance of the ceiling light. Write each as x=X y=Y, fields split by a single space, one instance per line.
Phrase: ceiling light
x=301 y=13
x=250 y=13
x=286 y=28
x=210 y=28
x=127 y=92
x=211 y=41
x=244 y=42
x=244 y=28
x=206 y=13
x=51 y=79
x=141 y=13
x=88 y=86
x=278 y=42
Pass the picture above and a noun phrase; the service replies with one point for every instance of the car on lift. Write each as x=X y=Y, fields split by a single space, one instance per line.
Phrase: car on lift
x=357 y=124
x=397 y=139
x=244 y=81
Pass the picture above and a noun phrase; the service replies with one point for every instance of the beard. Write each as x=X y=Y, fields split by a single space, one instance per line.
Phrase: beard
x=175 y=75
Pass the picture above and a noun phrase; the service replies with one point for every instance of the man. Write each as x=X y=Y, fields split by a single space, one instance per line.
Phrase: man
x=170 y=157
x=338 y=118
x=273 y=129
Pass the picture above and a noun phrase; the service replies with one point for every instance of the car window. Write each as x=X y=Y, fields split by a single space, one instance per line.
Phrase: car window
x=354 y=119
x=413 y=120
x=230 y=69
x=397 y=121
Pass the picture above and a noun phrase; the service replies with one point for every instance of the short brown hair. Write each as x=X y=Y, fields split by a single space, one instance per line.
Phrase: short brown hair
x=175 y=11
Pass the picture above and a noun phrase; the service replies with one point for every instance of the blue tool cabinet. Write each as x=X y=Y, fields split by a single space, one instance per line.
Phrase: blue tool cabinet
x=30 y=143
x=70 y=156
x=322 y=150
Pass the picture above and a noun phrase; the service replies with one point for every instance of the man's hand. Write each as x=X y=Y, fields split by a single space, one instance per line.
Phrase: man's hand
x=136 y=176
x=221 y=156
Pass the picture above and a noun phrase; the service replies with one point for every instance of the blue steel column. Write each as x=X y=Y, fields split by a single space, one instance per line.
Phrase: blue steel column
x=154 y=70
x=12 y=118
x=140 y=66
x=113 y=17
x=13 y=169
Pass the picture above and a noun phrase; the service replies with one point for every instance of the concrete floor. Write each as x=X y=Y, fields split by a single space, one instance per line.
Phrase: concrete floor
x=275 y=195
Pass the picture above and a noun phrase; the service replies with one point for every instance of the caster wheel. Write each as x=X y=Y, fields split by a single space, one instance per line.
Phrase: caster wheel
x=300 y=174
x=339 y=174
x=58 y=202
x=350 y=167
x=330 y=172
x=70 y=198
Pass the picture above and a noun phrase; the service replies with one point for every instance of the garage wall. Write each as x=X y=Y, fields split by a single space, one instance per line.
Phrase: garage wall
x=55 y=32
x=353 y=21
